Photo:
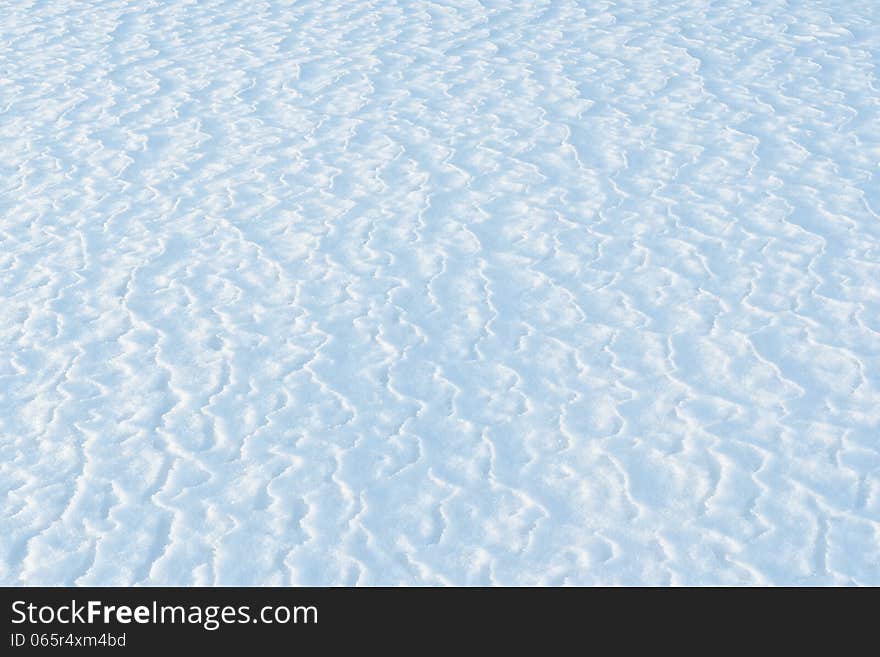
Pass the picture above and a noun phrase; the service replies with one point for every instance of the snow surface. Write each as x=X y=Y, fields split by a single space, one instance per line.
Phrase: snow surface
x=465 y=292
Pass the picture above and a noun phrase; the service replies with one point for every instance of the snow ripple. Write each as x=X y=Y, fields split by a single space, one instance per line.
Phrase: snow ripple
x=499 y=292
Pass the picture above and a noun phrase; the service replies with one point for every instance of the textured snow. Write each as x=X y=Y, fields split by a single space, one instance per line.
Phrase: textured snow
x=465 y=292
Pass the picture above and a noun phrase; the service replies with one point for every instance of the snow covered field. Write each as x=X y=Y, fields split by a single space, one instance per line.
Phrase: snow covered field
x=461 y=292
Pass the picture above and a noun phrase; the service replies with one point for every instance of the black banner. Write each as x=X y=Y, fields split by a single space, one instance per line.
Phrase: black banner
x=150 y=619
